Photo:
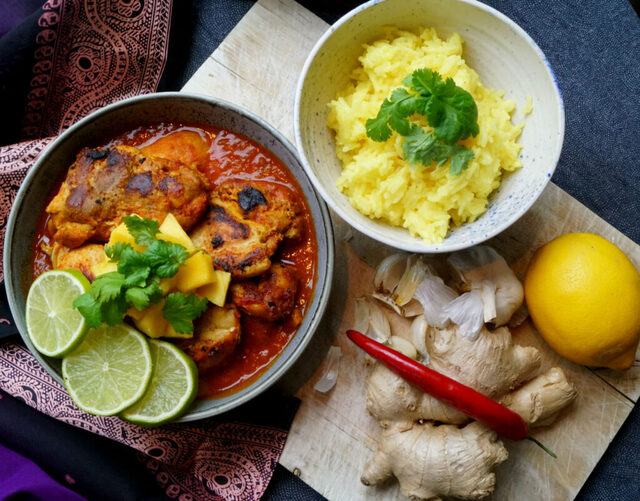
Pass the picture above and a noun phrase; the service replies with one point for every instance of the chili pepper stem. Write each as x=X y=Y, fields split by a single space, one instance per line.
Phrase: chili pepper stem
x=545 y=449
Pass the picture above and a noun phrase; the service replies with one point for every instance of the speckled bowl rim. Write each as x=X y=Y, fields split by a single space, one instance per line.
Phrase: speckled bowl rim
x=378 y=233
x=321 y=292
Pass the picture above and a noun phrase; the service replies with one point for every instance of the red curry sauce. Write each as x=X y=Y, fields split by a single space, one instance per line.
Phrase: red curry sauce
x=222 y=155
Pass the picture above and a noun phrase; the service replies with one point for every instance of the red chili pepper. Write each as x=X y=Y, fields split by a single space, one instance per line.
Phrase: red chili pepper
x=465 y=399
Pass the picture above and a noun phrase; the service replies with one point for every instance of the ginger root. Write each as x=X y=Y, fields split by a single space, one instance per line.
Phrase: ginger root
x=433 y=460
x=390 y=399
x=491 y=364
x=540 y=400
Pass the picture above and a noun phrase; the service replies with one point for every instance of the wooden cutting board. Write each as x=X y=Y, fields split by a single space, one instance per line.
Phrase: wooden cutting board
x=257 y=66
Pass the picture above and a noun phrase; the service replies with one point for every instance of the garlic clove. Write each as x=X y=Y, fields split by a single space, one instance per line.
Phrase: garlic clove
x=412 y=309
x=371 y=320
x=418 y=332
x=403 y=346
x=362 y=315
x=379 y=327
x=389 y=273
x=388 y=300
x=409 y=310
x=330 y=373
x=413 y=275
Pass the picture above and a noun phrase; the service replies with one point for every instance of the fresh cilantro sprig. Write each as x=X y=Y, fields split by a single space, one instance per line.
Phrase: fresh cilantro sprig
x=137 y=281
x=180 y=310
x=450 y=111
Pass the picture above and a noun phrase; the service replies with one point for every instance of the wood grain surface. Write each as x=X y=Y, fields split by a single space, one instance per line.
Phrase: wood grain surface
x=257 y=66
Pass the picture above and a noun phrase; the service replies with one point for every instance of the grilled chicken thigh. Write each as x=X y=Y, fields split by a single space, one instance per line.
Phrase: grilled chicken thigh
x=245 y=223
x=272 y=297
x=216 y=335
x=106 y=184
x=81 y=259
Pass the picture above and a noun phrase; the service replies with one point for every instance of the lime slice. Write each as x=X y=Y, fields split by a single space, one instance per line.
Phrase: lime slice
x=109 y=371
x=54 y=325
x=173 y=387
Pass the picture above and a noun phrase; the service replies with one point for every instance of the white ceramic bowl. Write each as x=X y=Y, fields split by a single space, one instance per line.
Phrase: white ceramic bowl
x=504 y=56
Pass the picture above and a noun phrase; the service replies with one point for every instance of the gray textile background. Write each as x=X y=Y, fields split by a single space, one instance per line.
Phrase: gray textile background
x=594 y=49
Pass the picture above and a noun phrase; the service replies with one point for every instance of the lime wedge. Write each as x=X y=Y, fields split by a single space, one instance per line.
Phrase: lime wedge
x=173 y=386
x=54 y=325
x=109 y=371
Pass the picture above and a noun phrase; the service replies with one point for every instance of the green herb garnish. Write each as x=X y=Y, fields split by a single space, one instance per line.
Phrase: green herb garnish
x=450 y=111
x=180 y=309
x=136 y=283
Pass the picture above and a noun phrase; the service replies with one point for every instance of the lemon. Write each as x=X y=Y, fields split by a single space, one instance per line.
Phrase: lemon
x=583 y=295
x=54 y=326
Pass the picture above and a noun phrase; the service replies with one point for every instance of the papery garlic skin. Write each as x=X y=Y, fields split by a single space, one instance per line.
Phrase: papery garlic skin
x=467 y=312
x=482 y=268
x=434 y=295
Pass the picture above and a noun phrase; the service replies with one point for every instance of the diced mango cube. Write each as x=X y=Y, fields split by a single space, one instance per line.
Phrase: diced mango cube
x=152 y=323
x=216 y=292
x=121 y=234
x=168 y=284
x=104 y=267
x=135 y=313
x=196 y=272
x=171 y=231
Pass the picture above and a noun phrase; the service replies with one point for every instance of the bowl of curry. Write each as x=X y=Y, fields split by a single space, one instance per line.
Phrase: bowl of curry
x=236 y=186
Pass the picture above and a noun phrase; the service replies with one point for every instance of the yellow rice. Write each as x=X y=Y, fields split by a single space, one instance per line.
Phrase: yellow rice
x=375 y=177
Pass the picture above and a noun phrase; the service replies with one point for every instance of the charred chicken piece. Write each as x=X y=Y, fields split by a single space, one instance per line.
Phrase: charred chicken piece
x=216 y=335
x=81 y=259
x=245 y=223
x=106 y=184
x=272 y=297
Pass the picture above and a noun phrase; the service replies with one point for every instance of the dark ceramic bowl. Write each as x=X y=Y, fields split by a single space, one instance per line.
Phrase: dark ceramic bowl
x=113 y=120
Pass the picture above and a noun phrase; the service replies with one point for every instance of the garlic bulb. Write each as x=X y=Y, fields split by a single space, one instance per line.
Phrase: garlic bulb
x=483 y=269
